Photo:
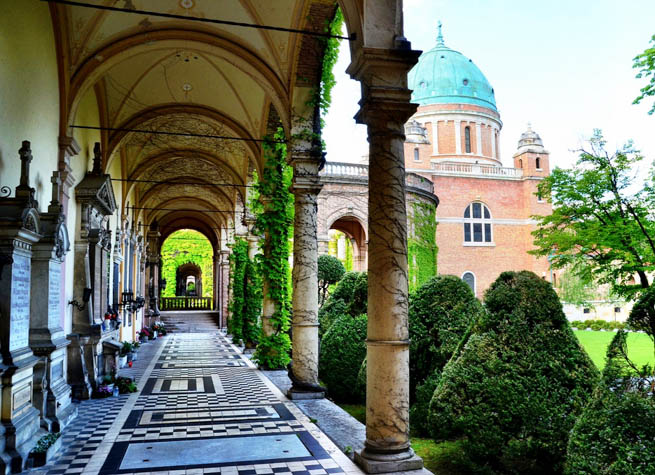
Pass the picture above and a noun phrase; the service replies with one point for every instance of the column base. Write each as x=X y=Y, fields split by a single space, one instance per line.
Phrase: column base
x=302 y=394
x=388 y=463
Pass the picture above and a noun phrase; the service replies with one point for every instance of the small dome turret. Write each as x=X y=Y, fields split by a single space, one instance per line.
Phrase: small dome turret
x=530 y=141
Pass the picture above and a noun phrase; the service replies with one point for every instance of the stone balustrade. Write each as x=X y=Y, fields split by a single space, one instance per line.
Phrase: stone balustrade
x=360 y=171
x=487 y=171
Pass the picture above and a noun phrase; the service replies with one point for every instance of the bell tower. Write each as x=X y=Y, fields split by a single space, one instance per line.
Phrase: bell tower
x=531 y=156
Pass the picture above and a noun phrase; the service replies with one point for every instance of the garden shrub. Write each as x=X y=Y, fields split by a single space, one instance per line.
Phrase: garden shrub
x=345 y=287
x=616 y=432
x=440 y=311
x=615 y=435
x=329 y=312
x=359 y=303
x=419 y=410
x=330 y=271
x=513 y=391
x=343 y=348
x=349 y=297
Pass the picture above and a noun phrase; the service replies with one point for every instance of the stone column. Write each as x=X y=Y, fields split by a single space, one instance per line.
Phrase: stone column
x=52 y=394
x=385 y=107
x=153 y=271
x=306 y=187
x=19 y=230
x=225 y=284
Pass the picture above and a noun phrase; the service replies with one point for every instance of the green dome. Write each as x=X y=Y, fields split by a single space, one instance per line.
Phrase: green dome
x=446 y=76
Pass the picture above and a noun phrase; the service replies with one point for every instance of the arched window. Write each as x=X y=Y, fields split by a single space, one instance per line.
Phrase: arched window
x=469 y=279
x=477 y=223
x=467 y=139
x=538 y=163
x=416 y=155
x=520 y=163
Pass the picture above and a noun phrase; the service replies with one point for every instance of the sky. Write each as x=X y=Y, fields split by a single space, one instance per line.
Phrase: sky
x=564 y=66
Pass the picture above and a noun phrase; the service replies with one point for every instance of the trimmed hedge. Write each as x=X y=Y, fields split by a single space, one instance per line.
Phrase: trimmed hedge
x=343 y=348
x=515 y=389
x=440 y=312
x=597 y=325
x=359 y=303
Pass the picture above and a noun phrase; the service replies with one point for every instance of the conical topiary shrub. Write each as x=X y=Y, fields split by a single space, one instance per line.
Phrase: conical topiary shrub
x=512 y=393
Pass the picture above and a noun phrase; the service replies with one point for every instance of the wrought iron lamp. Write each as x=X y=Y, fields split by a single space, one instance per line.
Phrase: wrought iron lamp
x=86 y=296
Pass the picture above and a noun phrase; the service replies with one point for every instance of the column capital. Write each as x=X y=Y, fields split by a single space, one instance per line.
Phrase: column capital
x=306 y=180
x=383 y=74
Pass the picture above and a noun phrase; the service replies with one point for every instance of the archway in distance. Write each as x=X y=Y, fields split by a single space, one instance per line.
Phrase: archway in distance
x=187 y=257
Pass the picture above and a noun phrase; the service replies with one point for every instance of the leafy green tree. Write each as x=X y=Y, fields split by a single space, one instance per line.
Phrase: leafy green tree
x=602 y=227
x=645 y=63
x=330 y=271
x=513 y=391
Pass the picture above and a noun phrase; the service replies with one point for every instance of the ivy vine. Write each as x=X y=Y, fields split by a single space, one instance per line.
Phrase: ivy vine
x=246 y=303
x=421 y=244
x=274 y=219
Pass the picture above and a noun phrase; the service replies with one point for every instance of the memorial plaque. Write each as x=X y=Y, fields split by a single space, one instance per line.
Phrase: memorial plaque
x=54 y=295
x=57 y=372
x=20 y=303
x=22 y=397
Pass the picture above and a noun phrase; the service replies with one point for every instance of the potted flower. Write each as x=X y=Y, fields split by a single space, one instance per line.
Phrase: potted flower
x=125 y=354
x=144 y=335
x=135 y=348
x=104 y=391
x=159 y=328
x=45 y=450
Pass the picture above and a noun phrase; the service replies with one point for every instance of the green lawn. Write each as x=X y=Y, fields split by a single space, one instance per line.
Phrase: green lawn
x=640 y=346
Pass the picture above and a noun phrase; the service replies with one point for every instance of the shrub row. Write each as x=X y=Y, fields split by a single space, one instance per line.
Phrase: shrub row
x=597 y=325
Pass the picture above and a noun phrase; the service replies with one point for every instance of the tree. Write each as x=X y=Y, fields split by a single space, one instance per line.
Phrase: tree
x=645 y=63
x=601 y=227
x=330 y=271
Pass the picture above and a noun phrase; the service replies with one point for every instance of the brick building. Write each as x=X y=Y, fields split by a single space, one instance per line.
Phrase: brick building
x=484 y=216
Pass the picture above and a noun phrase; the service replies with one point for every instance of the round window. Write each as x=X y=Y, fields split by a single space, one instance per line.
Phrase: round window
x=465 y=82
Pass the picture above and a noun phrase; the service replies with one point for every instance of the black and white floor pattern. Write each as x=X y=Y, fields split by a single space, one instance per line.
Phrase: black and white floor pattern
x=201 y=408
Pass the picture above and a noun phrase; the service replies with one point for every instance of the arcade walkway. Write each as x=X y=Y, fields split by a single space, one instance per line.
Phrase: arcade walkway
x=201 y=408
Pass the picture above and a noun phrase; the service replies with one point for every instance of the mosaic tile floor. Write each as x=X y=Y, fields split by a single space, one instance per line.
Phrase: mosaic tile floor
x=201 y=408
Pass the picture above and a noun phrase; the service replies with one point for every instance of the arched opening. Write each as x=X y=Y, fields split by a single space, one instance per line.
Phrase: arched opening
x=187 y=271
x=469 y=278
x=467 y=139
x=348 y=243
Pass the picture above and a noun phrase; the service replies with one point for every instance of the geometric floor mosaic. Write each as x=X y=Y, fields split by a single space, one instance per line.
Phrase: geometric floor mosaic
x=201 y=408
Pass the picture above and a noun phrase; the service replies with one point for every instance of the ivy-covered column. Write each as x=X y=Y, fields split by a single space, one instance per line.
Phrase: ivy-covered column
x=385 y=107
x=225 y=284
x=306 y=187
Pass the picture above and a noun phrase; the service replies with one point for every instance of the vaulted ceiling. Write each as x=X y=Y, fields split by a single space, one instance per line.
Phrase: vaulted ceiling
x=152 y=74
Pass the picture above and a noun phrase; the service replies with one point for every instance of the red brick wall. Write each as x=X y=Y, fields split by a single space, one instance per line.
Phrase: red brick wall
x=506 y=199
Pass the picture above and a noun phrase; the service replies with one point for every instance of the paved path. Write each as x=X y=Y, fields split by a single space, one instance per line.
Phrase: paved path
x=201 y=408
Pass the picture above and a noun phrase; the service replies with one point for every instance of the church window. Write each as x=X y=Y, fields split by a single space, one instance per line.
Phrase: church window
x=417 y=158
x=538 y=163
x=467 y=139
x=477 y=224
x=520 y=163
x=469 y=279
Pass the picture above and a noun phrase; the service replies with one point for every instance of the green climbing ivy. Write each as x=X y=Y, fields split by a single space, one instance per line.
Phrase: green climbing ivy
x=246 y=303
x=330 y=57
x=274 y=219
x=421 y=244
x=237 y=304
x=182 y=247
